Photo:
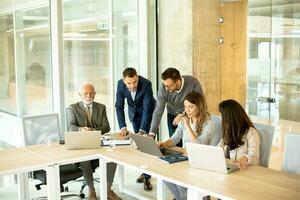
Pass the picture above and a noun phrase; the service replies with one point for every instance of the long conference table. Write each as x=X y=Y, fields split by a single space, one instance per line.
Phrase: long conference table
x=255 y=183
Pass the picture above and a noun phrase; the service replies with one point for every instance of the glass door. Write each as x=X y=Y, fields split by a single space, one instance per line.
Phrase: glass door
x=273 y=71
x=260 y=93
x=285 y=56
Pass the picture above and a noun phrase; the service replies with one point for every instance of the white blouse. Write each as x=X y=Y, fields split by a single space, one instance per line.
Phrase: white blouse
x=250 y=148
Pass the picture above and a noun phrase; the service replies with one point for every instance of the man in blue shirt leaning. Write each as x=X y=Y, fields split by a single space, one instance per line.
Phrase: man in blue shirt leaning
x=137 y=90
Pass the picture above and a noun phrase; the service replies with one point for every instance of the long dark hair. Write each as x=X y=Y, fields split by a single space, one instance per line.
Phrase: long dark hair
x=200 y=102
x=235 y=123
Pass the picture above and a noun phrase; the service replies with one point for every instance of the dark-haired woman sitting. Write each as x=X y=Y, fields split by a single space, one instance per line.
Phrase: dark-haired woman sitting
x=240 y=139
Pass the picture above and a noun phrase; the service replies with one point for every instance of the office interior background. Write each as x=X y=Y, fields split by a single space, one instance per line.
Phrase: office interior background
x=245 y=50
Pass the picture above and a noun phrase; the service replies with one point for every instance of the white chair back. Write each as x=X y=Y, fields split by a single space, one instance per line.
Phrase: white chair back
x=266 y=133
x=39 y=128
x=218 y=128
x=291 y=153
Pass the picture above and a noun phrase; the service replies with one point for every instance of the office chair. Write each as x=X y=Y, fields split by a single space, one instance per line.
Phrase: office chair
x=218 y=128
x=95 y=163
x=266 y=133
x=38 y=129
x=291 y=153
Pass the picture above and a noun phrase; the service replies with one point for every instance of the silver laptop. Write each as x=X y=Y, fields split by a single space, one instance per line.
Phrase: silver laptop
x=83 y=140
x=209 y=158
x=148 y=145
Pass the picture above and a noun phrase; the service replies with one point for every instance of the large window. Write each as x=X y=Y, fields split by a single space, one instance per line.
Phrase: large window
x=274 y=60
x=7 y=65
x=25 y=60
x=87 y=48
x=100 y=39
x=89 y=44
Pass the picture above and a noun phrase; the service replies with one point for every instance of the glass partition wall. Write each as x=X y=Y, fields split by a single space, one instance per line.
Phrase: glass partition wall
x=7 y=64
x=87 y=48
x=25 y=70
x=274 y=68
x=274 y=60
x=100 y=39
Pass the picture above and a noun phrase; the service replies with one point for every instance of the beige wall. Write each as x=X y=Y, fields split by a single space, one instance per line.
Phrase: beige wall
x=175 y=35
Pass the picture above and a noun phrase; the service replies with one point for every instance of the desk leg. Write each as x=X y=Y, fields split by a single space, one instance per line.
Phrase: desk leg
x=53 y=182
x=121 y=176
x=161 y=193
x=103 y=179
x=23 y=188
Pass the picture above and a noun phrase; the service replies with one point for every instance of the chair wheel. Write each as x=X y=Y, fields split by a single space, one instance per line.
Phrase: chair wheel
x=82 y=195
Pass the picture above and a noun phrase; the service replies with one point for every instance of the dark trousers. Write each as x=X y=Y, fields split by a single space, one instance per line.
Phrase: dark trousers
x=87 y=170
x=136 y=128
x=172 y=128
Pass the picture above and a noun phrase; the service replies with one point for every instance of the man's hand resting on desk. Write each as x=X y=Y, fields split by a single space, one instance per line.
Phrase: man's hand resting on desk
x=124 y=132
x=143 y=133
x=151 y=134
x=86 y=129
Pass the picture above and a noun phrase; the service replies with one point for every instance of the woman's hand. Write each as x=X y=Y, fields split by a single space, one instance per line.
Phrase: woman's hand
x=160 y=144
x=242 y=162
x=186 y=122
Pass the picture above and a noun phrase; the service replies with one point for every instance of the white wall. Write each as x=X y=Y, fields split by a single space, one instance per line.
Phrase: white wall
x=11 y=130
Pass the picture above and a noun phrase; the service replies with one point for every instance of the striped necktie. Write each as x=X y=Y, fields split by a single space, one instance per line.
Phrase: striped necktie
x=88 y=116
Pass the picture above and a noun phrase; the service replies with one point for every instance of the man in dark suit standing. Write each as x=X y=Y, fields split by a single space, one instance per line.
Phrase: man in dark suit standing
x=137 y=90
x=88 y=115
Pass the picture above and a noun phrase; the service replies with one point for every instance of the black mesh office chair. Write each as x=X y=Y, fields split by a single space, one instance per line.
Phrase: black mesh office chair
x=38 y=129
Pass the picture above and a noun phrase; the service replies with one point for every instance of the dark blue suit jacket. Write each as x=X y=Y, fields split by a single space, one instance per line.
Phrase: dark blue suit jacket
x=141 y=109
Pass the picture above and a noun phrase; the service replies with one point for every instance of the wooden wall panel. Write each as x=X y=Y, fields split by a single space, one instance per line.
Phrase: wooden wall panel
x=240 y=50
x=221 y=68
x=206 y=48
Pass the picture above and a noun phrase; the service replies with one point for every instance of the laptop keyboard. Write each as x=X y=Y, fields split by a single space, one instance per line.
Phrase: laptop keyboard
x=166 y=151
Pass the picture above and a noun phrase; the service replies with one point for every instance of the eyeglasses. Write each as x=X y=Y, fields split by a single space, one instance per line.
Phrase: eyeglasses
x=169 y=86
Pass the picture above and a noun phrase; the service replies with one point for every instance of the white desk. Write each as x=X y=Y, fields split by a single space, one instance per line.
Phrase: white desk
x=20 y=161
x=60 y=156
x=255 y=183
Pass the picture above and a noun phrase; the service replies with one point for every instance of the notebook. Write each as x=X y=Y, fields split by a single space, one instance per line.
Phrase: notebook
x=209 y=158
x=148 y=145
x=109 y=139
x=173 y=158
x=83 y=140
